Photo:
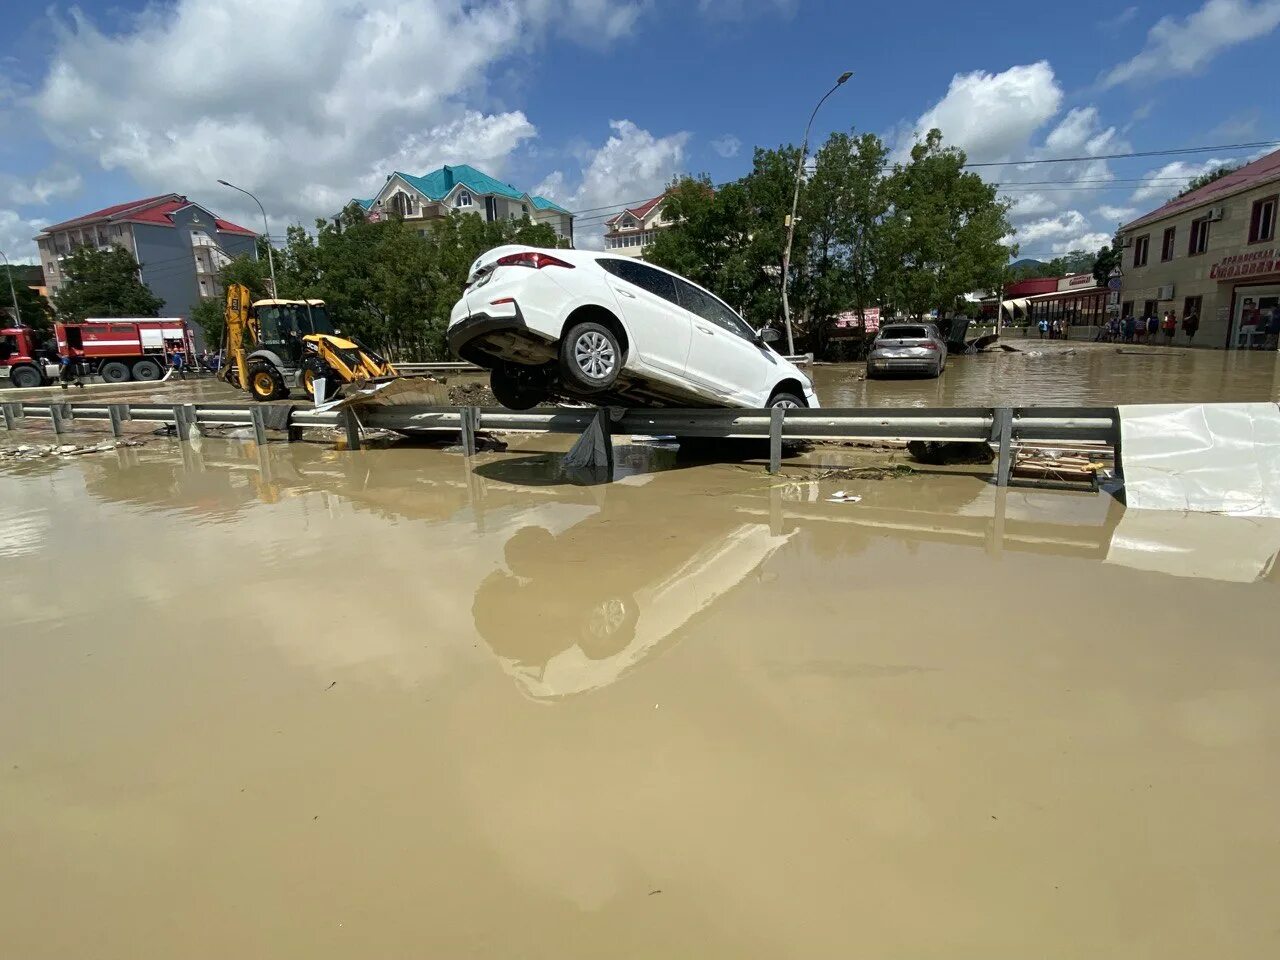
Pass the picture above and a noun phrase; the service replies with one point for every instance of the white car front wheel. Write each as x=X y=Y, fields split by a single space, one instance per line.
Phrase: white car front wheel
x=787 y=401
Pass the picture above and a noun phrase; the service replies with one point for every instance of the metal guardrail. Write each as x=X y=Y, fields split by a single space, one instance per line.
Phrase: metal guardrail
x=1001 y=426
x=451 y=366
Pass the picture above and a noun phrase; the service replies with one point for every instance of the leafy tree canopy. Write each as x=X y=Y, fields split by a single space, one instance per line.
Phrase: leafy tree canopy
x=104 y=283
x=35 y=310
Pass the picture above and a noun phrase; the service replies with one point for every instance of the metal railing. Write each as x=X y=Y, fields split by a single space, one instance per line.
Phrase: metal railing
x=1003 y=427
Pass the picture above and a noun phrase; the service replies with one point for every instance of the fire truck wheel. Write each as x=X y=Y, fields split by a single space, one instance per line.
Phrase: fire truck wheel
x=113 y=371
x=26 y=377
x=265 y=382
x=146 y=370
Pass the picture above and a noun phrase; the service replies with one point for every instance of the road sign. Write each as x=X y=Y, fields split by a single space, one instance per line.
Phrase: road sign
x=1114 y=283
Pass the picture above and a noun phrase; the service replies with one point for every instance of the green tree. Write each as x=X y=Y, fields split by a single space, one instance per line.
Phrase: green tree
x=845 y=203
x=34 y=309
x=1105 y=260
x=1206 y=178
x=392 y=283
x=104 y=283
x=945 y=233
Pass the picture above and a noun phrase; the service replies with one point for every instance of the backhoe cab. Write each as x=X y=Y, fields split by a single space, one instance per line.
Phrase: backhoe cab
x=273 y=346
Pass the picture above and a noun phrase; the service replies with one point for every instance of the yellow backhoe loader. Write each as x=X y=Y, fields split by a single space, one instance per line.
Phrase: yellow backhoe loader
x=272 y=346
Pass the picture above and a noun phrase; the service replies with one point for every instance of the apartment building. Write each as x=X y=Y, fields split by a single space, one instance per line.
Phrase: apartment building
x=179 y=245
x=1213 y=251
x=464 y=189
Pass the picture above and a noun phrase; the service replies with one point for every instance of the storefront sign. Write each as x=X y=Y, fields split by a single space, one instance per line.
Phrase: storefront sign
x=1076 y=282
x=849 y=319
x=1254 y=263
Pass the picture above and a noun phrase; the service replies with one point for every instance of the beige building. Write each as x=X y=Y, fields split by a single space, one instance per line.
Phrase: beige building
x=630 y=231
x=1213 y=252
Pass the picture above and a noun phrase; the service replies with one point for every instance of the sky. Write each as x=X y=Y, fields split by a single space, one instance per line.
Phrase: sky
x=598 y=103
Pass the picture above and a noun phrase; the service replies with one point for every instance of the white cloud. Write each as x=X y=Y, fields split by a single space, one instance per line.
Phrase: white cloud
x=632 y=165
x=1169 y=180
x=305 y=110
x=1177 y=46
x=1083 y=241
x=52 y=184
x=1068 y=223
x=745 y=9
x=1117 y=214
x=726 y=146
x=991 y=116
x=1031 y=204
x=16 y=234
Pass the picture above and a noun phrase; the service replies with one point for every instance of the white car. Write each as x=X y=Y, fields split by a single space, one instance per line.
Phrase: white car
x=589 y=326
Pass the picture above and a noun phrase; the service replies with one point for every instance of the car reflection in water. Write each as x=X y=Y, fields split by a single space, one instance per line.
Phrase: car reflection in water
x=574 y=612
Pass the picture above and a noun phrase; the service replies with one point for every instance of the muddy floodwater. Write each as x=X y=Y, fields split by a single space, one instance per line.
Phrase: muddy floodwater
x=1056 y=372
x=295 y=702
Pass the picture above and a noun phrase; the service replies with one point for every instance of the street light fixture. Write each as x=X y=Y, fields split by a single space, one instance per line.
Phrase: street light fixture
x=795 y=202
x=266 y=231
x=8 y=269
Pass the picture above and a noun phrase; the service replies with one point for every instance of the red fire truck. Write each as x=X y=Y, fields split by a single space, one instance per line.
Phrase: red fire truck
x=117 y=350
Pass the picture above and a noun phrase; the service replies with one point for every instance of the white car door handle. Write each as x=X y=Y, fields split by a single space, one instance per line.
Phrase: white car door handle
x=625 y=293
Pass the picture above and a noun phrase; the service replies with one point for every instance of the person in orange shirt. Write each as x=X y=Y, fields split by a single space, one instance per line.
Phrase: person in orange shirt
x=1170 y=326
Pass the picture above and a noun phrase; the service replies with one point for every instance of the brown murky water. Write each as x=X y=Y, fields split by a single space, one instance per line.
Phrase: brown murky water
x=301 y=703
x=1044 y=373
x=1040 y=373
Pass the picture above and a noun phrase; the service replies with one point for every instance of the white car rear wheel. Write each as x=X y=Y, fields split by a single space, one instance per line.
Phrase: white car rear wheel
x=590 y=357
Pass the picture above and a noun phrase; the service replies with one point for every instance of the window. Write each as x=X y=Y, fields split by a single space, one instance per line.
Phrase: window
x=1166 y=248
x=524 y=209
x=709 y=308
x=1191 y=305
x=1126 y=309
x=1140 y=248
x=1151 y=308
x=1199 y=237
x=1262 y=221
x=464 y=199
x=643 y=276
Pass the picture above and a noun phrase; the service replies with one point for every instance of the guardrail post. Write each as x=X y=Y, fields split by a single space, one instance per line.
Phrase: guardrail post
x=776 y=415
x=12 y=413
x=259 y=425
x=189 y=414
x=117 y=413
x=1003 y=423
x=468 y=418
x=352 y=427
x=181 y=428
x=58 y=414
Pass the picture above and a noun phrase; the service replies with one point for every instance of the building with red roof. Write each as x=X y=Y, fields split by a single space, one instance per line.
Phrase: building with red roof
x=629 y=232
x=1211 y=254
x=179 y=244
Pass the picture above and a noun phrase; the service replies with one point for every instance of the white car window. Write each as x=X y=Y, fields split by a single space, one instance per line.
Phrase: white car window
x=709 y=308
x=646 y=278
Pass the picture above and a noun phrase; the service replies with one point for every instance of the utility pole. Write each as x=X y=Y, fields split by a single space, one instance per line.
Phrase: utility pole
x=266 y=232
x=8 y=269
x=791 y=220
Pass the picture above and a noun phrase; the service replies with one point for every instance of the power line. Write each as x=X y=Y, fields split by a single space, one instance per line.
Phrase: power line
x=1125 y=156
x=1173 y=151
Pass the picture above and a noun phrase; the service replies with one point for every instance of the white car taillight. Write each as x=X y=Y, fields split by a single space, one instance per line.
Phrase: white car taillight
x=531 y=258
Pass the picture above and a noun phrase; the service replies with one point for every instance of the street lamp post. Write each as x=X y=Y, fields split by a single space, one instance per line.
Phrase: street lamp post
x=266 y=232
x=17 y=314
x=791 y=221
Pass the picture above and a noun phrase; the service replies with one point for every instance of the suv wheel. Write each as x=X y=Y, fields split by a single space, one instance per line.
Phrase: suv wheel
x=590 y=357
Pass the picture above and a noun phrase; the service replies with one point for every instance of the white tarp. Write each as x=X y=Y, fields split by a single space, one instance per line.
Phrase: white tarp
x=1200 y=545
x=1206 y=457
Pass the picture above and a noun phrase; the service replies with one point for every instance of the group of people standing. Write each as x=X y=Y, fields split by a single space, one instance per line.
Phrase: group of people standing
x=1150 y=328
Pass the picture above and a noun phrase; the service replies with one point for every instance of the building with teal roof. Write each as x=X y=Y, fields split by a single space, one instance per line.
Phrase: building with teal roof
x=463 y=189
